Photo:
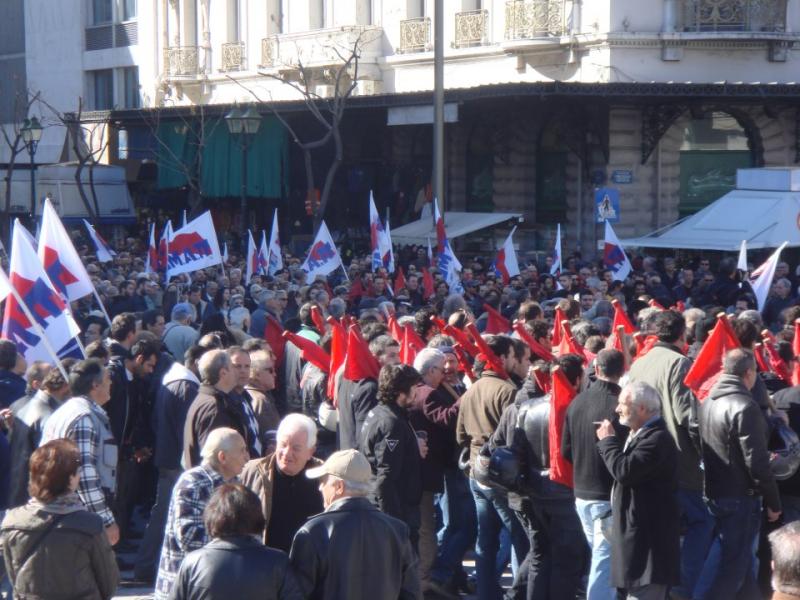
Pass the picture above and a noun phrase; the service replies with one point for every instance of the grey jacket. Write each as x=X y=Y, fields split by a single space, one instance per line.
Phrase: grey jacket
x=734 y=435
x=73 y=562
x=665 y=368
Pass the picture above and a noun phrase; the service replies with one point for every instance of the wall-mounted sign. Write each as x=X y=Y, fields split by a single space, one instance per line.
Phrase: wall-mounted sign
x=606 y=203
x=622 y=176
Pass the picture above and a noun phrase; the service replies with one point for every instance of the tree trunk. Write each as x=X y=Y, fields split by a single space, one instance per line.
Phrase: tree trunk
x=82 y=192
x=330 y=176
x=93 y=190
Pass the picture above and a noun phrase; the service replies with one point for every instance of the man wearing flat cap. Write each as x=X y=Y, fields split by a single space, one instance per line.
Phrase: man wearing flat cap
x=324 y=548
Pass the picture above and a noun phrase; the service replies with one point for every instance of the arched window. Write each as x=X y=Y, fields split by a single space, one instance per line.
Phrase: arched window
x=714 y=146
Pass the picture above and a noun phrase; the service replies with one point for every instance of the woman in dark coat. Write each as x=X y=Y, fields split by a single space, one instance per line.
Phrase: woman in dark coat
x=235 y=563
x=53 y=547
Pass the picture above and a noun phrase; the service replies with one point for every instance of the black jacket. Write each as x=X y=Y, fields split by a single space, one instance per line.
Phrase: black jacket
x=645 y=538
x=356 y=399
x=240 y=567
x=789 y=400
x=12 y=388
x=24 y=439
x=390 y=445
x=354 y=551
x=734 y=439
x=579 y=439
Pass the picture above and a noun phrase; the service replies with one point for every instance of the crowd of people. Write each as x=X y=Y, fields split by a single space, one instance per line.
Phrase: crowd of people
x=262 y=473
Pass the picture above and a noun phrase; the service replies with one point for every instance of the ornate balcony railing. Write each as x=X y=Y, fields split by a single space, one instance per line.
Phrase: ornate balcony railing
x=471 y=28
x=183 y=61
x=233 y=56
x=415 y=35
x=734 y=15
x=269 y=51
x=529 y=19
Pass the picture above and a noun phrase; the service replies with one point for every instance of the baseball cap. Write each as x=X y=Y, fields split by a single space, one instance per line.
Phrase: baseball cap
x=344 y=464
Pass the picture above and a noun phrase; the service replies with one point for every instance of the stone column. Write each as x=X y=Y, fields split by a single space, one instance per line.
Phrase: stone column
x=670 y=16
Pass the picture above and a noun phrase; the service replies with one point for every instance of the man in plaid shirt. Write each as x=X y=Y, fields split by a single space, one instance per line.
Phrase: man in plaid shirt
x=224 y=455
x=83 y=420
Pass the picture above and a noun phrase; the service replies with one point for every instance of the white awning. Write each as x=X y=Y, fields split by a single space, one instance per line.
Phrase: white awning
x=455 y=223
x=765 y=219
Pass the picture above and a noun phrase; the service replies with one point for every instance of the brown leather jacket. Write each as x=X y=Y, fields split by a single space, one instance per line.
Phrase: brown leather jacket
x=258 y=475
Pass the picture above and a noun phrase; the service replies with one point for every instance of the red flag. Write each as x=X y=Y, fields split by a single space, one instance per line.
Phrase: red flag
x=542 y=380
x=796 y=349
x=644 y=343
x=394 y=328
x=680 y=306
x=273 y=334
x=319 y=320
x=491 y=359
x=568 y=343
x=707 y=366
x=758 y=352
x=496 y=323
x=338 y=354
x=621 y=318
x=557 y=318
x=536 y=348
x=776 y=363
x=459 y=336
x=359 y=362
x=409 y=347
x=562 y=395
x=427 y=283
x=400 y=280
x=463 y=362
x=655 y=304
x=310 y=351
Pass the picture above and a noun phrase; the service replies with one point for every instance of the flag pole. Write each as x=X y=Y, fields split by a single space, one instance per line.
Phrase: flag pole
x=26 y=311
x=102 y=307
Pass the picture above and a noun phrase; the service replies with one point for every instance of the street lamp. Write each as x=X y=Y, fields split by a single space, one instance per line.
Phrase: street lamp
x=243 y=125
x=31 y=132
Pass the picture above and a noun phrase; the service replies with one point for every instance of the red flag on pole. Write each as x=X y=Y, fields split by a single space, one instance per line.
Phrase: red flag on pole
x=763 y=366
x=273 y=334
x=409 y=347
x=338 y=354
x=621 y=318
x=359 y=362
x=557 y=318
x=496 y=323
x=536 y=348
x=560 y=398
x=400 y=280
x=568 y=344
x=319 y=320
x=707 y=366
x=427 y=283
x=494 y=362
x=776 y=363
x=310 y=351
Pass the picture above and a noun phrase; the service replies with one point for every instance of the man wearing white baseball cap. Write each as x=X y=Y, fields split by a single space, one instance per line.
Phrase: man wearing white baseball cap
x=324 y=548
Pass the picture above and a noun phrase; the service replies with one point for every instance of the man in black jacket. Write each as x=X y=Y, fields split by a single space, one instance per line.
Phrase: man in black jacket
x=178 y=389
x=737 y=473
x=323 y=549
x=591 y=477
x=645 y=552
x=391 y=447
x=557 y=555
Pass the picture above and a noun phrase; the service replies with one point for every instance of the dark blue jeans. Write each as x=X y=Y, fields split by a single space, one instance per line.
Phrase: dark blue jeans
x=738 y=521
x=697 y=541
x=493 y=513
x=459 y=525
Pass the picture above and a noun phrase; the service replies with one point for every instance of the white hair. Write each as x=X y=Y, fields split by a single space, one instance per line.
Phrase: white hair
x=427 y=358
x=356 y=488
x=297 y=422
x=643 y=395
x=221 y=439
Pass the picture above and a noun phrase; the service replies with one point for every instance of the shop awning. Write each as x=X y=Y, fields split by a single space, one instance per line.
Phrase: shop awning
x=455 y=223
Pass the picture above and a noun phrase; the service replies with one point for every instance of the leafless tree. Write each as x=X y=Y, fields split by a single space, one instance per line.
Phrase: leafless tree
x=196 y=126
x=342 y=79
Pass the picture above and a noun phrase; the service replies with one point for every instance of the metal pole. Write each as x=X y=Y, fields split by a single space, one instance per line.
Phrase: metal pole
x=438 y=106
x=243 y=199
x=32 y=153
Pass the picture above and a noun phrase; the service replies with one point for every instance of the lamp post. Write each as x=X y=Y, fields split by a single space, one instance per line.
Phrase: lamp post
x=243 y=125
x=31 y=134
